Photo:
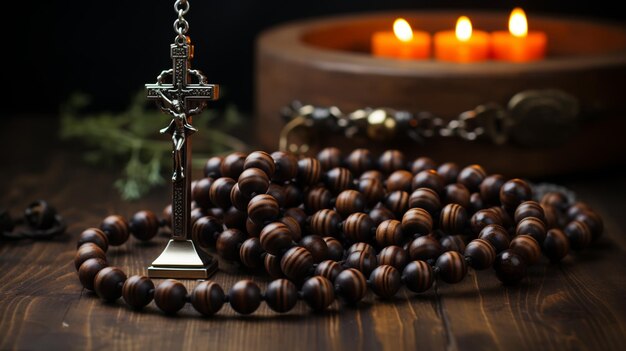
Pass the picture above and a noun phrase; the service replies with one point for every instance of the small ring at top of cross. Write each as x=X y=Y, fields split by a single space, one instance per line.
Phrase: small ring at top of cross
x=181 y=7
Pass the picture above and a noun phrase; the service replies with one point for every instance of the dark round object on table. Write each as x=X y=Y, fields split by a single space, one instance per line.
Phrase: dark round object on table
x=483 y=218
x=325 y=223
x=205 y=231
x=397 y=202
x=593 y=221
x=213 y=166
x=220 y=192
x=481 y=254
x=510 y=267
x=476 y=203
x=385 y=281
x=245 y=297
x=490 y=189
x=529 y=209
x=399 y=180
x=360 y=247
x=417 y=221
x=505 y=218
x=144 y=225
x=207 y=298
x=263 y=208
x=328 y=269
x=108 y=283
x=116 y=229
x=456 y=193
x=318 y=293
x=423 y=164
x=390 y=161
x=579 y=234
x=94 y=236
x=309 y=171
x=358 y=227
x=251 y=253
x=281 y=295
x=329 y=158
x=372 y=174
x=297 y=263
x=372 y=190
x=348 y=202
x=363 y=261
x=276 y=238
x=232 y=165
x=138 y=291
x=286 y=166
x=339 y=179
x=359 y=161
x=200 y=192
x=576 y=209
x=553 y=216
x=316 y=246
x=298 y=214
x=40 y=215
x=532 y=226
x=393 y=256
x=351 y=285
x=227 y=244
x=496 y=235
x=389 y=232
x=167 y=215
x=335 y=249
x=556 y=199
x=381 y=214
x=449 y=171
x=428 y=179
x=235 y=219
x=88 y=270
x=425 y=248
x=472 y=176
x=556 y=245
x=278 y=192
x=317 y=198
x=527 y=247
x=294 y=227
x=196 y=214
x=261 y=160
x=513 y=193
x=453 y=243
x=253 y=181
x=427 y=199
x=87 y=251
x=452 y=267
x=272 y=266
x=418 y=276
x=238 y=199
x=453 y=219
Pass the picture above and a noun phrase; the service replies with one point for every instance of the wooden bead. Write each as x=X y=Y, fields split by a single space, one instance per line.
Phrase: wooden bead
x=358 y=227
x=220 y=192
x=316 y=246
x=356 y=247
x=235 y=219
x=349 y=201
x=529 y=209
x=372 y=174
x=196 y=214
x=294 y=227
x=263 y=208
x=297 y=263
x=245 y=297
x=481 y=254
x=483 y=218
x=423 y=164
x=87 y=251
x=385 y=281
x=390 y=161
x=298 y=214
x=496 y=235
x=272 y=266
x=532 y=226
x=556 y=199
x=456 y=193
x=553 y=217
x=452 y=267
x=476 y=203
x=317 y=198
x=418 y=276
x=576 y=209
x=207 y=298
x=281 y=295
x=593 y=221
x=513 y=193
x=372 y=190
x=453 y=243
x=329 y=158
x=325 y=223
x=206 y=230
x=88 y=270
x=251 y=253
x=472 y=176
x=253 y=181
x=278 y=192
x=232 y=165
x=227 y=244
x=428 y=179
x=200 y=192
x=309 y=171
x=318 y=293
x=212 y=167
x=339 y=179
x=490 y=189
x=261 y=160
x=417 y=221
x=397 y=202
x=328 y=269
x=453 y=219
x=381 y=214
x=556 y=246
x=286 y=166
x=449 y=171
x=389 y=232
x=362 y=261
x=505 y=218
x=138 y=291
x=393 y=256
x=427 y=199
x=116 y=229
x=510 y=267
x=527 y=247
x=578 y=234
x=238 y=199
x=108 y=283
x=144 y=225
x=94 y=236
x=335 y=249
x=399 y=180
x=276 y=238
x=425 y=248
x=359 y=161
x=351 y=284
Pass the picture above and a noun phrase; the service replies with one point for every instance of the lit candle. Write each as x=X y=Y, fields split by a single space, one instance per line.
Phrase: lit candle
x=403 y=42
x=518 y=44
x=463 y=44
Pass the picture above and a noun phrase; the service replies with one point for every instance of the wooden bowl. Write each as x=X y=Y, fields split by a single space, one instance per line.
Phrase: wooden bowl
x=327 y=62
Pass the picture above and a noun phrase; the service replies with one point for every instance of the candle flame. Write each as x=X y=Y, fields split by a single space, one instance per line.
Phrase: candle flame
x=402 y=30
x=463 y=28
x=518 y=25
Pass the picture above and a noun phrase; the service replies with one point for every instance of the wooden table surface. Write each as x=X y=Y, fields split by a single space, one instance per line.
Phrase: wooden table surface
x=579 y=303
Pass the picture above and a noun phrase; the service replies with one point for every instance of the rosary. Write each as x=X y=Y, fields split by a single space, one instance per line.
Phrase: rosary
x=323 y=228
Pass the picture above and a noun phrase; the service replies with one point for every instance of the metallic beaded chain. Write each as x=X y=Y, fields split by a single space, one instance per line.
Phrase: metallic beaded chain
x=181 y=26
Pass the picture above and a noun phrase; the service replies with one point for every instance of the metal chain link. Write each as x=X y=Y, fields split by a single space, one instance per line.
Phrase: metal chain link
x=181 y=26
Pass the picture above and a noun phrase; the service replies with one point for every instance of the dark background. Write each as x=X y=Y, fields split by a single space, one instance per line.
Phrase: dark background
x=109 y=49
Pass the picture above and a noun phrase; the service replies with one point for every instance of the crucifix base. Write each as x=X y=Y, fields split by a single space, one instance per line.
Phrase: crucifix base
x=182 y=260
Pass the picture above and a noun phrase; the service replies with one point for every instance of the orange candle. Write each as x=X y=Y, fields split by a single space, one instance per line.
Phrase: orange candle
x=463 y=44
x=518 y=44
x=403 y=42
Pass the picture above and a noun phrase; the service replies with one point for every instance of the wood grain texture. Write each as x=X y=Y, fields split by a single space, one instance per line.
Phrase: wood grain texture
x=576 y=304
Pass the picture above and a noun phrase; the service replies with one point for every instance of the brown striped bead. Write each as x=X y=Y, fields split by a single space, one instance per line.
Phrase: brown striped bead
x=339 y=179
x=510 y=267
x=207 y=298
x=144 y=225
x=316 y=246
x=116 y=229
x=298 y=214
x=532 y=226
x=88 y=270
x=476 y=203
x=317 y=198
x=297 y=263
x=212 y=167
x=481 y=254
x=472 y=176
x=196 y=214
x=335 y=249
x=278 y=192
x=490 y=189
x=232 y=165
x=389 y=232
x=348 y=202
x=453 y=243
x=356 y=247
x=556 y=245
x=235 y=219
x=576 y=209
x=261 y=160
x=87 y=251
x=483 y=218
x=309 y=171
x=372 y=174
x=393 y=256
x=362 y=261
x=329 y=158
x=328 y=269
x=427 y=199
x=251 y=253
x=397 y=202
x=399 y=180
x=94 y=236
x=239 y=200
x=556 y=199
x=281 y=295
x=527 y=247
x=381 y=214
x=263 y=208
x=358 y=227
x=215 y=212
x=452 y=267
x=418 y=276
x=276 y=238
x=425 y=248
x=529 y=209
x=108 y=283
x=272 y=266
x=220 y=192
x=372 y=190
x=205 y=231
x=449 y=171
x=286 y=166
x=138 y=291
x=245 y=297
x=351 y=284
x=227 y=244
x=294 y=227
x=496 y=235
x=417 y=221
x=325 y=223
x=385 y=281
x=422 y=164
x=200 y=192
x=553 y=217
x=453 y=219
x=428 y=179
x=318 y=293
x=253 y=181
x=359 y=161
x=513 y=193
x=390 y=161
x=593 y=221
x=456 y=193
x=578 y=234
